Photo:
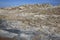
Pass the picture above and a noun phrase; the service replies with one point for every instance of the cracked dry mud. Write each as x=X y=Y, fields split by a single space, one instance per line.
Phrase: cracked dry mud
x=34 y=22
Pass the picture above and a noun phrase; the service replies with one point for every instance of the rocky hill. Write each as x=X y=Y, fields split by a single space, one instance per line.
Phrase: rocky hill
x=36 y=22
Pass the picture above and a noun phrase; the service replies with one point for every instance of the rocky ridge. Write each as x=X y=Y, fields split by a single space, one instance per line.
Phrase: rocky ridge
x=37 y=22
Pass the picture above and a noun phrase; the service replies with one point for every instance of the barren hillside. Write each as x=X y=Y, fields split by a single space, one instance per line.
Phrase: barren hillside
x=41 y=19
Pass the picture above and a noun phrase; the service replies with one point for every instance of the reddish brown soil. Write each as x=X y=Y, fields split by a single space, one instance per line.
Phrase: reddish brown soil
x=4 y=38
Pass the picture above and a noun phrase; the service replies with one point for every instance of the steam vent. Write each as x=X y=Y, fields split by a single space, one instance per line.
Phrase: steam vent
x=30 y=22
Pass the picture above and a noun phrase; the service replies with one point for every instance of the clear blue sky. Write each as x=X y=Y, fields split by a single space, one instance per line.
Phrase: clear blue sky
x=5 y=3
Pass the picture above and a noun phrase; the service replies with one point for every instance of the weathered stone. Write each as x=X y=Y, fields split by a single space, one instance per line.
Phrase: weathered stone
x=31 y=22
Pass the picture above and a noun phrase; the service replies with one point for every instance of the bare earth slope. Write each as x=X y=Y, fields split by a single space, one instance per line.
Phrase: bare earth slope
x=37 y=22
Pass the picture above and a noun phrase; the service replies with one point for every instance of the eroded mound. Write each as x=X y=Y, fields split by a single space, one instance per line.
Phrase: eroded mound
x=41 y=19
